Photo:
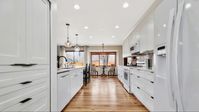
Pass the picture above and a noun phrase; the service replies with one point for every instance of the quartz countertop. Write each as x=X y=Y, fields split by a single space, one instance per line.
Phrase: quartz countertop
x=63 y=70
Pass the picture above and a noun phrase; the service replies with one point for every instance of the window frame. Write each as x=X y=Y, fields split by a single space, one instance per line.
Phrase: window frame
x=101 y=54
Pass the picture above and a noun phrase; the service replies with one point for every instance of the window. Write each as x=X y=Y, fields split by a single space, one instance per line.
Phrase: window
x=95 y=60
x=100 y=59
x=77 y=58
x=111 y=59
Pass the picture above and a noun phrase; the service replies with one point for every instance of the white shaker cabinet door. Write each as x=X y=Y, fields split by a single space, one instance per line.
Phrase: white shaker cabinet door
x=12 y=32
x=38 y=31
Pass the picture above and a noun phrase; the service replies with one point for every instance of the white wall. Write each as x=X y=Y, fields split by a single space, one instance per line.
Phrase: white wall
x=53 y=55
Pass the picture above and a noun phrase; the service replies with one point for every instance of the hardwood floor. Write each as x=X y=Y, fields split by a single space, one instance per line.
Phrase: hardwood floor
x=104 y=94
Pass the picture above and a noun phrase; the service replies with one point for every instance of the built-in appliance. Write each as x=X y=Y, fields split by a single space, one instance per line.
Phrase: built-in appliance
x=128 y=61
x=126 y=80
x=177 y=79
x=145 y=60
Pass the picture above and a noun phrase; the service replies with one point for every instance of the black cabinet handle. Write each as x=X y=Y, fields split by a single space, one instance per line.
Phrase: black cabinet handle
x=152 y=97
x=26 y=100
x=138 y=76
x=152 y=82
x=26 y=82
x=23 y=65
x=138 y=87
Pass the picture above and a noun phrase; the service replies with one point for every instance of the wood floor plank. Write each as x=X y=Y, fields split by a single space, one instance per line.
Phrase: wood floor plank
x=104 y=94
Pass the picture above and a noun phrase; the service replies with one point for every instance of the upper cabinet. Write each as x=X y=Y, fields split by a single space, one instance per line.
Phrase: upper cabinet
x=143 y=35
x=38 y=31
x=161 y=18
x=24 y=32
x=146 y=33
x=12 y=31
x=126 y=48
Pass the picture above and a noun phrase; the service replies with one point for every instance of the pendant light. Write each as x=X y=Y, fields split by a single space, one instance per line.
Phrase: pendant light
x=76 y=48
x=68 y=43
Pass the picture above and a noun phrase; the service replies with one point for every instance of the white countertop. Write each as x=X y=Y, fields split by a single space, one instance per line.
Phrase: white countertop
x=63 y=70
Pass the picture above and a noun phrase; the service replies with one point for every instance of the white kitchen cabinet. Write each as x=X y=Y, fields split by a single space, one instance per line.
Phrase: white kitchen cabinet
x=126 y=48
x=161 y=18
x=76 y=81
x=24 y=75
x=64 y=90
x=134 y=38
x=142 y=86
x=120 y=73
x=12 y=31
x=69 y=83
x=24 y=32
x=146 y=33
x=38 y=31
x=15 y=100
x=143 y=35
x=36 y=104
x=133 y=86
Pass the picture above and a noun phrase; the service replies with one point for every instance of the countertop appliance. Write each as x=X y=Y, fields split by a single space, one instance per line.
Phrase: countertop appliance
x=126 y=80
x=177 y=79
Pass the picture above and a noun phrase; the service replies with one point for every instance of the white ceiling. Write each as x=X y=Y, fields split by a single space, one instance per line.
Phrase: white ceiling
x=101 y=17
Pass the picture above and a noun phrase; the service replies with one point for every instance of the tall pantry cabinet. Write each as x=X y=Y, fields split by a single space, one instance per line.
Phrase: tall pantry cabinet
x=24 y=55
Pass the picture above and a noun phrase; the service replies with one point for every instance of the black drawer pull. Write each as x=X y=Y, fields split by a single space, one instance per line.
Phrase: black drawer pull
x=152 y=82
x=23 y=65
x=26 y=100
x=26 y=82
x=152 y=97
x=138 y=76
x=138 y=87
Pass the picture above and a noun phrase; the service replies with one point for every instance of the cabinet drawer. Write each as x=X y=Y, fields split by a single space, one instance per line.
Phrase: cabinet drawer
x=39 y=102
x=20 y=96
x=145 y=74
x=146 y=99
x=5 y=69
x=145 y=84
x=9 y=89
x=21 y=78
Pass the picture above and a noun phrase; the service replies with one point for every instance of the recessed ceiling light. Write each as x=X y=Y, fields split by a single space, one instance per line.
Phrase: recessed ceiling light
x=125 y=5
x=117 y=27
x=164 y=25
x=188 y=5
x=76 y=6
x=113 y=36
x=86 y=27
x=90 y=37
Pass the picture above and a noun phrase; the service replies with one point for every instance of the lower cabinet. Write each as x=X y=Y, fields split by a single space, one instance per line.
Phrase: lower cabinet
x=120 y=73
x=141 y=85
x=69 y=83
x=64 y=90
x=24 y=91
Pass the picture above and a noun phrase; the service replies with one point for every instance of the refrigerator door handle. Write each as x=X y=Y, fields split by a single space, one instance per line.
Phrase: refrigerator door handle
x=176 y=47
x=168 y=56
